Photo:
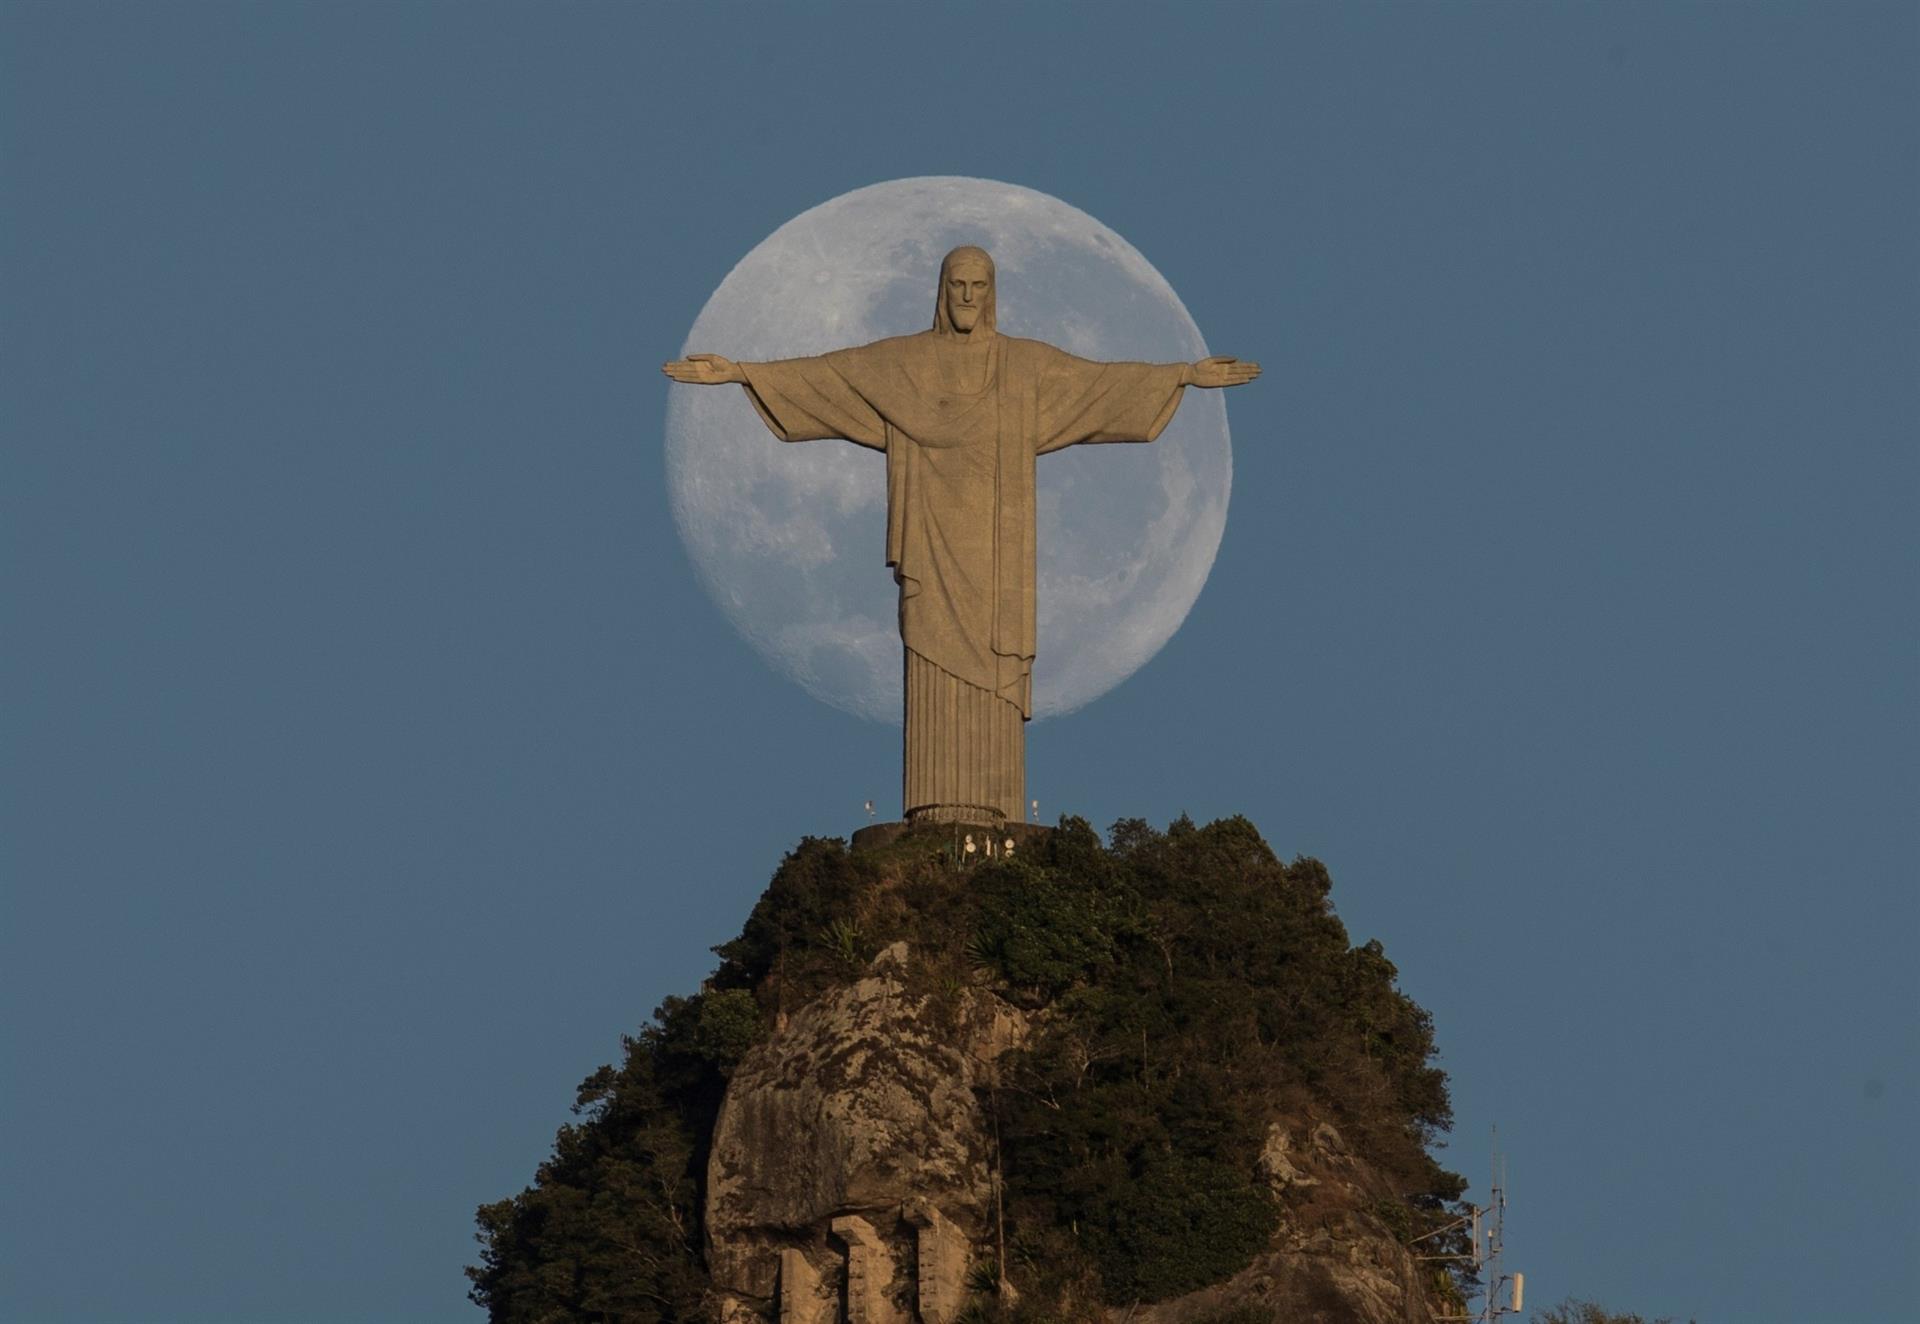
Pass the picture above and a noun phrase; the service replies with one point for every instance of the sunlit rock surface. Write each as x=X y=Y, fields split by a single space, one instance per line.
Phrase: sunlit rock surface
x=865 y=1104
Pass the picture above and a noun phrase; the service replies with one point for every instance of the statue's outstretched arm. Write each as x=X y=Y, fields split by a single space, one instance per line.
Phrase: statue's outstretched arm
x=1221 y=370
x=1082 y=400
x=803 y=399
x=704 y=370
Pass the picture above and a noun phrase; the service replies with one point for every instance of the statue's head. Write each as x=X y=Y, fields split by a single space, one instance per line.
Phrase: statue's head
x=964 y=301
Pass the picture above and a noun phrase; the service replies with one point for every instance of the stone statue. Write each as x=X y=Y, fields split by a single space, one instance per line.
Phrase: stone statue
x=962 y=413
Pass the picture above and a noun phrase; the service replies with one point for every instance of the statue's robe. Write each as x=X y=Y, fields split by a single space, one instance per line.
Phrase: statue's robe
x=960 y=523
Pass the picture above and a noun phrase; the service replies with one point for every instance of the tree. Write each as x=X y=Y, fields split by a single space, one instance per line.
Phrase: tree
x=1573 y=1311
x=1193 y=982
x=610 y=1228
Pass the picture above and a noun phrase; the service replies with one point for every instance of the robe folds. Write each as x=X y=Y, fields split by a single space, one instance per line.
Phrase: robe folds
x=960 y=521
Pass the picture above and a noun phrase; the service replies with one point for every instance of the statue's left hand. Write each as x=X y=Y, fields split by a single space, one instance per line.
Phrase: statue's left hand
x=1221 y=370
x=704 y=370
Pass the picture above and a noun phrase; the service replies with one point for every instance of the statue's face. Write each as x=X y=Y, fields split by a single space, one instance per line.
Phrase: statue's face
x=967 y=286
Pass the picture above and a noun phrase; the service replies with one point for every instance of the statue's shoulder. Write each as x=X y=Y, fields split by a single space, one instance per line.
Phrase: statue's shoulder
x=1034 y=355
x=1034 y=349
x=889 y=348
x=912 y=340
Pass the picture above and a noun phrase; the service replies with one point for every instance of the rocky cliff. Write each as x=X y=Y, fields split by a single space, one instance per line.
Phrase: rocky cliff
x=864 y=1105
x=844 y=1136
x=1147 y=1080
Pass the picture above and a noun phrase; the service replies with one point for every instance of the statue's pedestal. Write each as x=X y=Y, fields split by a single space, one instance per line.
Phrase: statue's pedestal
x=1023 y=835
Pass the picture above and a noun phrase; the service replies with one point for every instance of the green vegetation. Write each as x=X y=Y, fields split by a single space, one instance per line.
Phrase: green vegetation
x=1197 y=990
x=1572 y=1311
x=610 y=1229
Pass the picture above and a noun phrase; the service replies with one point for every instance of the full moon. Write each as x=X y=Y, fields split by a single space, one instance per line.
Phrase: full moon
x=790 y=540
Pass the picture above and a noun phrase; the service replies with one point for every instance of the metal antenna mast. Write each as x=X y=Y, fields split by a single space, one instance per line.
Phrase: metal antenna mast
x=1486 y=1230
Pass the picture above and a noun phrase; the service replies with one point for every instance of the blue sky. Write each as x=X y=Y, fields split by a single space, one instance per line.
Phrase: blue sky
x=373 y=761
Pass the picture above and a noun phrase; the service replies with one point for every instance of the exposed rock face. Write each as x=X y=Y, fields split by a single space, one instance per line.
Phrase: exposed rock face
x=851 y=1179
x=855 y=1137
x=1332 y=1261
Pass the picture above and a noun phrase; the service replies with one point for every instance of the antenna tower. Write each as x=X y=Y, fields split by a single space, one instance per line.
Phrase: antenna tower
x=1486 y=1228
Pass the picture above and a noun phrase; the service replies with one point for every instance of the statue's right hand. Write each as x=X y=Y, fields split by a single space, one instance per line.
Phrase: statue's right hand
x=704 y=370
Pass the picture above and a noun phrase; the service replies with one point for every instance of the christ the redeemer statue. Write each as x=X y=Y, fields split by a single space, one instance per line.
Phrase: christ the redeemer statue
x=962 y=412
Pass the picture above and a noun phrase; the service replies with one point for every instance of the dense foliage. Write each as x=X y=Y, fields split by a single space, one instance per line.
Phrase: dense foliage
x=1572 y=1311
x=1196 y=989
x=610 y=1229
x=1201 y=990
